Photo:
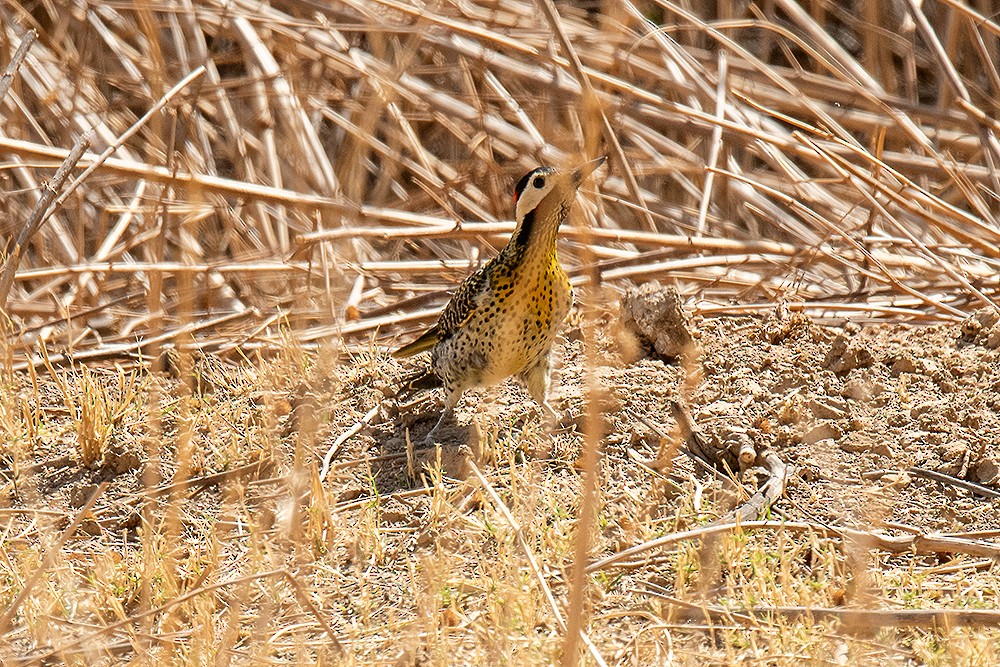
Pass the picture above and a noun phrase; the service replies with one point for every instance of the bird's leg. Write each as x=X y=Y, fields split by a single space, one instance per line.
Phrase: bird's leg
x=451 y=397
x=431 y=436
x=536 y=379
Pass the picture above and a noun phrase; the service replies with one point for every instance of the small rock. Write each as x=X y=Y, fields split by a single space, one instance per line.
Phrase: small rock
x=130 y=521
x=985 y=471
x=954 y=458
x=656 y=314
x=789 y=381
x=913 y=436
x=896 y=480
x=936 y=438
x=993 y=339
x=984 y=318
x=822 y=431
x=942 y=421
x=973 y=419
x=983 y=327
x=454 y=461
x=904 y=364
x=752 y=388
x=349 y=494
x=846 y=354
x=930 y=408
x=810 y=472
x=827 y=407
x=862 y=389
x=854 y=445
x=79 y=496
x=89 y=526
x=791 y=410
x=826 y=443
x=122 y=460
x=718 y=408
x=783 y=325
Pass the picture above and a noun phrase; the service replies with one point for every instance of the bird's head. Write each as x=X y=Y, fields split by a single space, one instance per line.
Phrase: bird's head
x=544 y=195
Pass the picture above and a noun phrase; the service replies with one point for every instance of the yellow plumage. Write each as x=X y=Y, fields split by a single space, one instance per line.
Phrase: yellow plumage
x=503 y=319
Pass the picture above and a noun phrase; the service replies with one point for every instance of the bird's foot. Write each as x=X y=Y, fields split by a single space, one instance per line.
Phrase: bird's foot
x=557 y=420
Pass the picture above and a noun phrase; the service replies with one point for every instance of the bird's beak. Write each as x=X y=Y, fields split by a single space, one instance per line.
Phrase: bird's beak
x=587 y=169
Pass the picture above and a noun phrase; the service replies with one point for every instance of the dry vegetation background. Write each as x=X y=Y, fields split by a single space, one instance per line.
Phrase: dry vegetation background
x=197 y=460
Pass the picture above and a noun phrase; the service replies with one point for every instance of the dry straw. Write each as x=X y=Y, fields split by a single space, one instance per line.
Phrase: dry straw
x=266 y=178
x=325 y=143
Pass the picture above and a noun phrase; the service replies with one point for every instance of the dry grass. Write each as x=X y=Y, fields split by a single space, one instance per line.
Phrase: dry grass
x=865 y=153
x=272 y=197
x=219 y=542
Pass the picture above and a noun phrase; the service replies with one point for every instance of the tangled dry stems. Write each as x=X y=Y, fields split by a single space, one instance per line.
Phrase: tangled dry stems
x=328 y=172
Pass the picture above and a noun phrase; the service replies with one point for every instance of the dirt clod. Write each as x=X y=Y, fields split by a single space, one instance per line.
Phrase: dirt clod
x=824 y=430
x=846 y=354
x=985 y=471
x=983 y=328
x=656 y=315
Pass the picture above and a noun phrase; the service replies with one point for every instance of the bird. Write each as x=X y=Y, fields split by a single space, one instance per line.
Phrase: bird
x=503 y=319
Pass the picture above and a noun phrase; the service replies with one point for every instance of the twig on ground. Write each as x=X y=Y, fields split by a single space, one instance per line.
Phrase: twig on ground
x=207 y=480
x=864 y=620
x=972 y=487
x=44 y=658
x=940 y=477
x=767 y=494
x=306 y=601
x=922 y=544
x=344 y=437
x=723 y=459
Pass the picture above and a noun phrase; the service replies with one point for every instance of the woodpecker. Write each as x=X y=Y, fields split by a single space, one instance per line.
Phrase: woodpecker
x=502 y=320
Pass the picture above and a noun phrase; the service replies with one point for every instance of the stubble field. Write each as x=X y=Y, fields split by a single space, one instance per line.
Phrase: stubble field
x=203 y=456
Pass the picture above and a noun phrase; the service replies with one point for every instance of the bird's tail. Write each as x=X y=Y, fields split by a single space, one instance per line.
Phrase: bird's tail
x=426 y=341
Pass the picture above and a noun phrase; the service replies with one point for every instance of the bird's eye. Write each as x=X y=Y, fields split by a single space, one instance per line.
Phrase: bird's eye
x=539 y=182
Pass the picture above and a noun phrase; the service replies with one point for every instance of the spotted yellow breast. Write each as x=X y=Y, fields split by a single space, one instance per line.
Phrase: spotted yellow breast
x=529 y=310
x=513 y=322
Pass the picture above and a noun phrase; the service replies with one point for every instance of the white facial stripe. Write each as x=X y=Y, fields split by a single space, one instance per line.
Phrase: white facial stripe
x=533 y=194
